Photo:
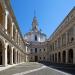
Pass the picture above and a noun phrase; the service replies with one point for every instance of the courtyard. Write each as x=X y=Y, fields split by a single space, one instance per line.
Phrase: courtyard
x=34 y=68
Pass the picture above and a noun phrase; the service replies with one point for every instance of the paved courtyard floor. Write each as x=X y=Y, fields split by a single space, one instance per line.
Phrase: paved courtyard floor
x=34 y=68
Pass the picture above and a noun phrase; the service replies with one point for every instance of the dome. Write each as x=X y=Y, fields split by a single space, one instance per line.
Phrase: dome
x=35 y=35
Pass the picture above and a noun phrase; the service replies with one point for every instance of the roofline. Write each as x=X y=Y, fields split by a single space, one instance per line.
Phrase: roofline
x=58 y=27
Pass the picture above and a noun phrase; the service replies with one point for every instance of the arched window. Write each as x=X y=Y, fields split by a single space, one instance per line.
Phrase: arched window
x=35 y=37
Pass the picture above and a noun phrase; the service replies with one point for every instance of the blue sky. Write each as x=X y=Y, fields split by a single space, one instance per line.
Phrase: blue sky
x=49 y=13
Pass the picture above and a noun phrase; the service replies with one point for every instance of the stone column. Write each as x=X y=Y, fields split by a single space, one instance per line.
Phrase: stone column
x=11 y=56
x=57 y=57
x=5 y=55
x=19 y=57
x=6 y=20
x=61 y=57
x=15 y=56
x=26 y=58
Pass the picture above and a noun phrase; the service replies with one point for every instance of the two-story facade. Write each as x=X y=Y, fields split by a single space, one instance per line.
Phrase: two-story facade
x=37 y=47
x=12 y=45
x=61 y=44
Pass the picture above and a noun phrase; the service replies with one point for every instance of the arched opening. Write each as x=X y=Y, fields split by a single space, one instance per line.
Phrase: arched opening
x=36 y=58
x=70 y=56
x=64 y=56
x=1 y=16
x=55 y=57
x=8 y=54
x=1 y=52
x=14 y=56
x=50 y=58
x=59 y=57
x=35 y=37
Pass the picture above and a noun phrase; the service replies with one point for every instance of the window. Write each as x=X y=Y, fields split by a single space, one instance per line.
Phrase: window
x=40 y=57
x=35 y=50
x=31 y=50
x=43 y=57
x=44 y=49
x=71 y=35
x=64 y=39
x=59 y=42
x=40 y=50
x=35 y=38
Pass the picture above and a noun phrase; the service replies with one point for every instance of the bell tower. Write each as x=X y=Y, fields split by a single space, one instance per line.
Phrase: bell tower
x=34 y=23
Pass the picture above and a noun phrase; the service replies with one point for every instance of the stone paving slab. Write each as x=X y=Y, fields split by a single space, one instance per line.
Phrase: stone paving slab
x=8 y=66
x=32 y=68
x=20 y=68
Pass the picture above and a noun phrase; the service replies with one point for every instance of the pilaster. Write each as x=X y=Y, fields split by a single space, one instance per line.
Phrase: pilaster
x=61 y=57
x=66 y=56
x=15 y=56
x=6 y=20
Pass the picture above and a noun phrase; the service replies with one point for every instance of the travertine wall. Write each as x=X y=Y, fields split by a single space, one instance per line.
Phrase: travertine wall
x=12 y=45
x=62 y=42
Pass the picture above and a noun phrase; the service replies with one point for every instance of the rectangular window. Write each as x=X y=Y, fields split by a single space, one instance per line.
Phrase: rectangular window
x=35 y=50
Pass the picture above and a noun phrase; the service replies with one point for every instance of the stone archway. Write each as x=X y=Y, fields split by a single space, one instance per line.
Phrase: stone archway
x=55 y=57
x=59 y=57
x=36 y=58
x=14 y=56
x=50 y=58
x=1 y=52
x=64 y=56
x=8 y=54
x=70 y=56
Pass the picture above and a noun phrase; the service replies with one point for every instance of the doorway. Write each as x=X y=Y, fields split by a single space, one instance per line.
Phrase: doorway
x=36 y=58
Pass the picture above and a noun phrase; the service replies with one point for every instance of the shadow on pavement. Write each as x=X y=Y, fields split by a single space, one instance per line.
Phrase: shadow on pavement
x=68 y=68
